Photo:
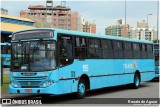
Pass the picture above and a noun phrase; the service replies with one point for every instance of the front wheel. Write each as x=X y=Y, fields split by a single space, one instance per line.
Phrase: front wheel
x=81 y=89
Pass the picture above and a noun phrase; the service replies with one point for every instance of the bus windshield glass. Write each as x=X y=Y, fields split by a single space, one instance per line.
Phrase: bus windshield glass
x=33 y=56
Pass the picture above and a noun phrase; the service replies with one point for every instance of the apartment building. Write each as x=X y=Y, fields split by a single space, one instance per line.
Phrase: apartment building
x=89 y=27
x=119 y=29
x=4 y=11
x=56 y=17
x=142 y=32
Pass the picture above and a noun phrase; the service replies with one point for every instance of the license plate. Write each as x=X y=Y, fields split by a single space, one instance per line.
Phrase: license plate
x=28 y=90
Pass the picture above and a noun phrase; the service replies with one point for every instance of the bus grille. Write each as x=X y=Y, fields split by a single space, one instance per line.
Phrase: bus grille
x=30 y=81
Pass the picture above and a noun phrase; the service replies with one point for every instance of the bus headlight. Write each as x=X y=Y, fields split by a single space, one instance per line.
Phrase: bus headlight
x=47 y=83
x=14 y=84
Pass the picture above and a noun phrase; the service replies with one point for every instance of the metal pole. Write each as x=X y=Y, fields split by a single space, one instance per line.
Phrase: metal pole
x=117 y=30
x=147 y=19
x=147 y=28
x=148 y=25
x=125 y=13
x=125 y=21
x=157 y=21
x=1 y=71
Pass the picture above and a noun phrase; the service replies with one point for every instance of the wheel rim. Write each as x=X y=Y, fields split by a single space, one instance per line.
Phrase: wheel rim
x=137 y=81
x=81 y=88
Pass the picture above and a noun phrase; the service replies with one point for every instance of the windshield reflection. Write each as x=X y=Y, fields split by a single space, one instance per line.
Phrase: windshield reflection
x=33 y=56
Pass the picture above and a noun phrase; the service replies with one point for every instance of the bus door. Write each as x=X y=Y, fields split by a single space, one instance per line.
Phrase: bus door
x=66 y=68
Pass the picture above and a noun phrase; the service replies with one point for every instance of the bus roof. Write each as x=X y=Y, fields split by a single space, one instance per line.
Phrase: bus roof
x=84 y=34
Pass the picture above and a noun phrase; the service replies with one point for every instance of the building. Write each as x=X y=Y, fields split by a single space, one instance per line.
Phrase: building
x=142 y=32
x=10 y=24
x=142 y=24
x=49 y=16
x=117 y=30
x=4 y=11
x=88 y=27
x=54 y=16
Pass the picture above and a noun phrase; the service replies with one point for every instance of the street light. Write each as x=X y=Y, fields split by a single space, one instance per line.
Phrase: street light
x=157 y=21
x=148 y=25
x=125 y=13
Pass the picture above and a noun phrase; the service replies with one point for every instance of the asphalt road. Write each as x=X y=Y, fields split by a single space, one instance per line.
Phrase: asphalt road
x=111 y=95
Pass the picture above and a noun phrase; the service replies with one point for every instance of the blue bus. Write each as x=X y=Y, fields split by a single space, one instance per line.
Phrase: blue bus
x=54 y=61
x=156 y=55
x=6 y=54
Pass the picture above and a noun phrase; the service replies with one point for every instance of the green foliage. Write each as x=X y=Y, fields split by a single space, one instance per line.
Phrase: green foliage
x=155 y=41
x=6 y=81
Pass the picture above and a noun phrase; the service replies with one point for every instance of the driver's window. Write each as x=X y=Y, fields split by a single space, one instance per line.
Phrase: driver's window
x=65 y=49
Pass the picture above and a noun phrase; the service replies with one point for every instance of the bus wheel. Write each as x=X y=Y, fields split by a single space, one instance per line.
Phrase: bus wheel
x=136 y=83
x=81 y=89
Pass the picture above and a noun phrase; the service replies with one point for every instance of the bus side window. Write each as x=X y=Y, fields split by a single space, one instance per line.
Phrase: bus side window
x=94 y=49
x=65 y=49
x=128 y=50
x=150 y=51
x=107 y=49
x=118 y=49
x=136 y=51
x=80 y=48
x=144 y=51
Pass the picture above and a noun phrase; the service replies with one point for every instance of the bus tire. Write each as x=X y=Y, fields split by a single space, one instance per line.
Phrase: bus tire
x=81 y=89
x=136 y=83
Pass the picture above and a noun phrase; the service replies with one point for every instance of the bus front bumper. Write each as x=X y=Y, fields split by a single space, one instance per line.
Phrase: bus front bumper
x=53 y=89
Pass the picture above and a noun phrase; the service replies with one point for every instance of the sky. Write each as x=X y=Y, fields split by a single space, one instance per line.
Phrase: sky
x=103 y=13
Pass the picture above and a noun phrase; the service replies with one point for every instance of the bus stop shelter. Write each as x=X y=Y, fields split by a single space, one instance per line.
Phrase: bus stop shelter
x=10 y=24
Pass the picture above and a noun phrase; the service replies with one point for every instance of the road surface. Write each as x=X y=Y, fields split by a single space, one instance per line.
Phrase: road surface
x=110 y=95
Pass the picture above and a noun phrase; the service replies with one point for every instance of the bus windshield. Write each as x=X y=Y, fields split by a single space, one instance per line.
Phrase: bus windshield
x=33 y=56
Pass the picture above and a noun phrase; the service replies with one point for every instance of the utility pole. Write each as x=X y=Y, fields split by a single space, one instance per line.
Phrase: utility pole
x=148 y=27
x=157 y=21
x=125 y=12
